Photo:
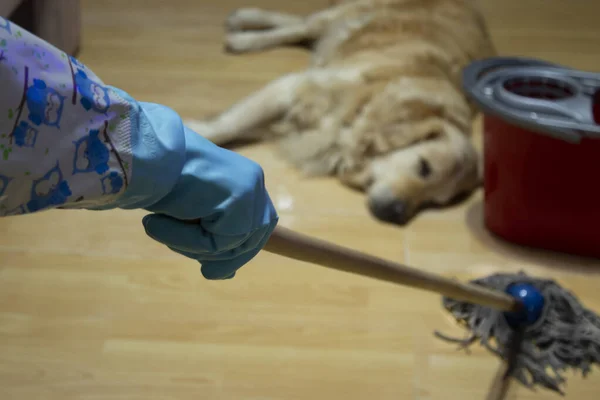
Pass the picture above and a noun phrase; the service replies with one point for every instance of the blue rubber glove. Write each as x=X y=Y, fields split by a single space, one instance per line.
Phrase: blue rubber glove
x=224 y=196
x=208 y=203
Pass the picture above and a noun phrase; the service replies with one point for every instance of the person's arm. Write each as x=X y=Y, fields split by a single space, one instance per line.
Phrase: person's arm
x=65 y=137
x=68 y=140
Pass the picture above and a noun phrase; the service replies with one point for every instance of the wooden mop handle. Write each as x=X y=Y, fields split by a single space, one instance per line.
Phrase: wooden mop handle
x=288 y=243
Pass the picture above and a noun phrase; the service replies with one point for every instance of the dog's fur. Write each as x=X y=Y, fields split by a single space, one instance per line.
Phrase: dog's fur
x=381 y=106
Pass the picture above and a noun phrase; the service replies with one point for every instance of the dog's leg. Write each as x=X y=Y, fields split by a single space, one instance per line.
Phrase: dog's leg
x=255 y=111
x=256 y=19
x=282 y=29
x=245 y=42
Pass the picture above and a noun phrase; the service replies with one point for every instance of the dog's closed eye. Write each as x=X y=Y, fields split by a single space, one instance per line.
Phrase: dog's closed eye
x=424 y=168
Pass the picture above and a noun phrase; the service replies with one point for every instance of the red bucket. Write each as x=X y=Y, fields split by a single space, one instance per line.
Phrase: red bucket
x=541 y=176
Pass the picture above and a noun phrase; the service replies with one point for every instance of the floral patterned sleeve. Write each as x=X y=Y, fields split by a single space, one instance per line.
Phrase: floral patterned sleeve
x=65 y=136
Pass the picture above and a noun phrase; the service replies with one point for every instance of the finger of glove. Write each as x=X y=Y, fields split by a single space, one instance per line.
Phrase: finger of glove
x=255 y=241
x=226 y=269
x=249 y=211
x=188 y=237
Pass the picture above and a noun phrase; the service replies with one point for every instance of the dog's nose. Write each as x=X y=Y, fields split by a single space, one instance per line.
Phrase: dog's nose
x=394 y=211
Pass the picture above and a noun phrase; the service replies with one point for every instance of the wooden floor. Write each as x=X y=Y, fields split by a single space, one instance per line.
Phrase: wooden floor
x=92 y=309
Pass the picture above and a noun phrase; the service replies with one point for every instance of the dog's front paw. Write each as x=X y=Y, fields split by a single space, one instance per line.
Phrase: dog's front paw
x=244 y=42
x=235 y=21
x=243 y=19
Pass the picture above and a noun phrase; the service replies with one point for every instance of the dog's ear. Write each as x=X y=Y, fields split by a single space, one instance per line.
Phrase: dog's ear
x=396 y=136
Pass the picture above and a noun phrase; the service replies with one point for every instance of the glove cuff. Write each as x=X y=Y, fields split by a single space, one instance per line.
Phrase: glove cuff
x=158 y=154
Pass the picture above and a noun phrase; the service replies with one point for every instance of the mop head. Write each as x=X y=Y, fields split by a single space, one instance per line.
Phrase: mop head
x=567 y=335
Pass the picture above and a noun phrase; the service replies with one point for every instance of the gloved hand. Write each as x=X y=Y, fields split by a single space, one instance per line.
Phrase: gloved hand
x=208 y=203
x=226 y=193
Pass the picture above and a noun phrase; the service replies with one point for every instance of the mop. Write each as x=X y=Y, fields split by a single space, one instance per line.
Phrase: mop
x=560 y=334
x=540 y=329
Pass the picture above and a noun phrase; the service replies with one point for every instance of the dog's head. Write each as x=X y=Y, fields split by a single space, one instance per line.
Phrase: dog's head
x=411 y=148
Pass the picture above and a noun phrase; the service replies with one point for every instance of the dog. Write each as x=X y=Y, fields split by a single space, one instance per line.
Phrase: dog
x=380 y=107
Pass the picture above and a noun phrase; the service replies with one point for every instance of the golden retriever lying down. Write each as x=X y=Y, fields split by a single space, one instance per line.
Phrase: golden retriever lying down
x=380 y=107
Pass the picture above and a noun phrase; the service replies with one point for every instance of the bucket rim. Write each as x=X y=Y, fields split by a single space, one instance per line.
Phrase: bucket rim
x=494 y=100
